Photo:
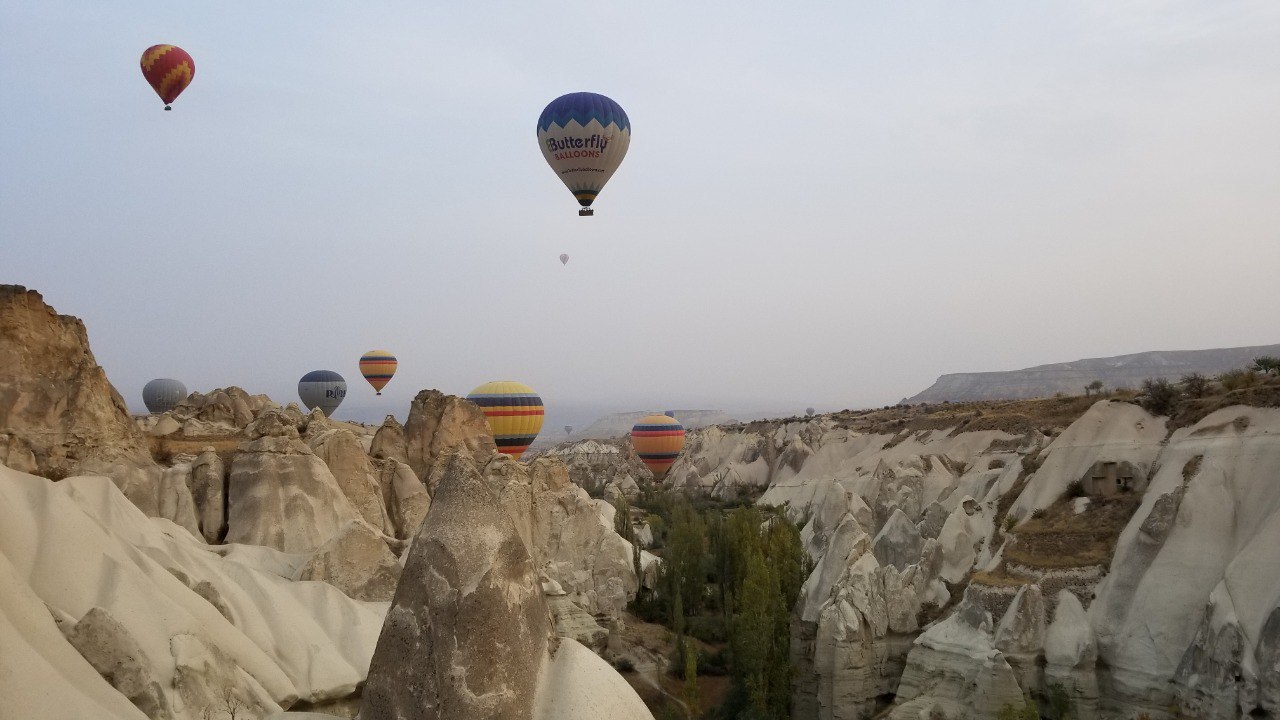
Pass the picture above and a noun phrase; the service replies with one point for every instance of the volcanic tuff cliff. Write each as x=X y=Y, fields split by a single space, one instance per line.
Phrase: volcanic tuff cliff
x=1121 y=371
x=242 y=554
x=1081 y=553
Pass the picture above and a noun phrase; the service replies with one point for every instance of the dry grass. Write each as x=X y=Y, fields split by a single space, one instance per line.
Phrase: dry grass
x=1192 y=410
x=1062 y=539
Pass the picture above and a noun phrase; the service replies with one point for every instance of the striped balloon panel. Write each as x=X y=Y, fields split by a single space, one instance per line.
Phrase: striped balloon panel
x=658 y=440
x=514 y=412
x=584 y=137
x=377 y=366
x=169 y=70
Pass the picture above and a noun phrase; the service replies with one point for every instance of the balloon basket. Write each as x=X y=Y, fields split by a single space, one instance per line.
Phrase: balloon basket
x=586 y=212
x=168 y=108
x=377 y=393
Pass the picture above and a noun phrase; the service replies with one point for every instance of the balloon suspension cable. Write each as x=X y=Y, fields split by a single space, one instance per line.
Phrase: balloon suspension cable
x=586 y=212
x=168 y=107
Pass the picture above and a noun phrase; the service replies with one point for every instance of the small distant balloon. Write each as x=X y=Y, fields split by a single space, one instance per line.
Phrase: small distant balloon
x=564 y=258
x=169 y=70
x=584 y=137
x=568 y=429
x=514 y=412
x=163 y=394
x=670 y=413
x=658 y=440
x=808 y=411
x=322 y=389
x=377 y=366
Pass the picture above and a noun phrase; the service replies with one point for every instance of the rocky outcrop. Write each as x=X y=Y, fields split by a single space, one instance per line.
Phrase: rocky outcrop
x=600 y=465
x=568 y=539
x=57 y=408
x=404 y=495
x=357 y=561
x=342 y=452
x=170 y=623
x=224 y=411
x=280 y=494
x=389 y=442
x=468 y=629
x=469 y=634
x=439 y=424
x=208 y=491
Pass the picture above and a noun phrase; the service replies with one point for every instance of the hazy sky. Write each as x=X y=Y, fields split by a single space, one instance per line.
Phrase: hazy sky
x=823 y=204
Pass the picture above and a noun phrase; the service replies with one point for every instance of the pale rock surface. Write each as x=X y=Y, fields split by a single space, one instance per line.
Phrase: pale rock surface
x=280 y=493
x=439 y=424
x=956 y=665
x=1206 y=536
x=963 y=535
x=56 y=405
x=577 y=685
x=404 y=495
x=899 y=543
x=1110 y=431
x=223 y=411
x=389 y=442
x=341 y=451
x=357 y=561
x=722 y=464
x=570 y=540
x=468 y=629
x=594 y=464
x=208 y=492
x=469 y=633
x=191 y=622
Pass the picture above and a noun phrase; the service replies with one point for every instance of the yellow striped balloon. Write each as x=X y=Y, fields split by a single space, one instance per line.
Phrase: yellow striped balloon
x=658 y=440
x=377 y=366
x=514 y=412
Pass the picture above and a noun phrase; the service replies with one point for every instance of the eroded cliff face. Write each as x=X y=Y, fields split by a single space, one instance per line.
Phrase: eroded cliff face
x=1097 y=561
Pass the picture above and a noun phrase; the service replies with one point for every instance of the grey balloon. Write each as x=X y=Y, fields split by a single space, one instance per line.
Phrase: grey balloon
x=163 y=394
x=568 y=429
x=808 y=411
x=322 y=389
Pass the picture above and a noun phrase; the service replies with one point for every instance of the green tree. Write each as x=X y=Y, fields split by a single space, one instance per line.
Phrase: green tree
x=1267 y=365
x=1195 y=385
x=691 y=680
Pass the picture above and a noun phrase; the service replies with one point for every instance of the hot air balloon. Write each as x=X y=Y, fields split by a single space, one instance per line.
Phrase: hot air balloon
x=514 y=412
x=657 y=440
x=169 y=69
x=163 y=394
x=808 y=411
x=670 y=413
x=568 y=429
x=564 y=258
x=584 y=137
x=377 y=366
x=322 y=389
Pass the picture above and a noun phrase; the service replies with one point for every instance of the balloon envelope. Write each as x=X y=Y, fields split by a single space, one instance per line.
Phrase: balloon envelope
x=377 y=366
x=322 y=389
x=568 y=429
x=658 y=440
x=808 y=411
x=169 y=70
x=584 y=137
x=514 y=412
x=564 y=258
x=163 y=394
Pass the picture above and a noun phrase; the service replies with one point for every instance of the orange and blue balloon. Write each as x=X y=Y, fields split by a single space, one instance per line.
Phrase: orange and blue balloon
x=658 y=440
x=169 y=69
x=377 y=366
x=514 y=412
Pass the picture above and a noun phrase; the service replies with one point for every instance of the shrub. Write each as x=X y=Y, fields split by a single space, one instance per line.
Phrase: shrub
x=1038 y=514
x=708 y=629
x=1159 y=396
x=1009 y=523
x=1238 y=379
x=1266 y=365
x=624 y=665
x=1195 y=385
x=1013 y=712
x=995 y=463
x=1075 y=489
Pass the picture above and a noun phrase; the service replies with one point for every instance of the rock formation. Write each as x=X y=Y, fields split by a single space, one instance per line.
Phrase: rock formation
x=469 y=634
x=439 y=424
x=280 y=494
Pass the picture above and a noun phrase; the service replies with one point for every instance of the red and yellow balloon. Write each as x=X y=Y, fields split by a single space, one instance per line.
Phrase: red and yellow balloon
x=377 y=366
x=658 y=440
x=169 y=69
